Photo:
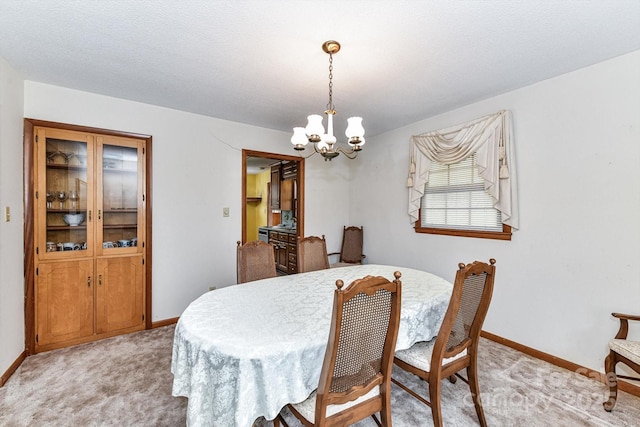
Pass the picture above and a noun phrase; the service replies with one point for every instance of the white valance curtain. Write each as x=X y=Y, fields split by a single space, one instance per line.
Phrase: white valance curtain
x=491 y=138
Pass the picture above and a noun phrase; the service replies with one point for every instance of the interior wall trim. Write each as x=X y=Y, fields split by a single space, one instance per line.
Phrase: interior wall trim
x=165 y=322
x=562 y=363
x=14 y=366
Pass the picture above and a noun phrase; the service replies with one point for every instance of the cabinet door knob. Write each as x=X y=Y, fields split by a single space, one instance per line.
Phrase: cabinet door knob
x=89 y=215
x=99 y=279
x=88 y=281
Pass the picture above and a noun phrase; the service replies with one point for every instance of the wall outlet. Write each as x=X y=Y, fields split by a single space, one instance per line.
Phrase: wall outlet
x=225 y=212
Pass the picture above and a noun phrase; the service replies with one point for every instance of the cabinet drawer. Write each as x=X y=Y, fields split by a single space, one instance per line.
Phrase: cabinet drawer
x=293 y=258
x=292 y=249
x=283 y=237
x=292 y=268
x=293 y=239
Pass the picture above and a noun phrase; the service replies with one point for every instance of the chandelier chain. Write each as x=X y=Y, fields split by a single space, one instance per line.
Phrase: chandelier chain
x=330 y=104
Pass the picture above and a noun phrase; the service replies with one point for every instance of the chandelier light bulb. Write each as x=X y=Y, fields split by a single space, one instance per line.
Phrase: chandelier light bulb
x=354 y=127
x=314 y=127
x=299 y=138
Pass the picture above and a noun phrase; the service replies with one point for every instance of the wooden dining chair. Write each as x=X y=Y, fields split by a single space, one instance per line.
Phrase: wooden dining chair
x=621 y=350
x=255 y=261
x=456 y=345
x=312 y=254
x=351 y=248
x=356 y=372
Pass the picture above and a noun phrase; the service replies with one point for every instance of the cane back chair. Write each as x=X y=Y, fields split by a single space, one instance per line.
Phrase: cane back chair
x=356 y=372
x=255 y=260
x=351 y=248
x=456 y=345
x=312 y=254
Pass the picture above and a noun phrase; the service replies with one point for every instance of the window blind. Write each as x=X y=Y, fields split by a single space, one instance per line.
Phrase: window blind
x=455 y=198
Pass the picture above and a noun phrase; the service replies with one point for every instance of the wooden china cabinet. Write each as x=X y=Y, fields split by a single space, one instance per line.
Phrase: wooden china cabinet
x=89 y=234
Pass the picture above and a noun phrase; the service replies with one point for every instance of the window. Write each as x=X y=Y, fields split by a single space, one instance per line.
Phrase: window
x=455 y=203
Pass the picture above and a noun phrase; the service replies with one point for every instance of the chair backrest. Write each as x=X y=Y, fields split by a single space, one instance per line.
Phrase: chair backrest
x=351 y=251
x=255 y=261
x=467 y=310
x=359 y=355
x=312 y=254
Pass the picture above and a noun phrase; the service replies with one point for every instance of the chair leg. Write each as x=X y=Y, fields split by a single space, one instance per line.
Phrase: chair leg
x=385 y=412
x=472 y=375
x=434 y=397
x=612 y=380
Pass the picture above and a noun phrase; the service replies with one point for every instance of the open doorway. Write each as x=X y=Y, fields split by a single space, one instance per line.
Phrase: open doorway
x=272 y=193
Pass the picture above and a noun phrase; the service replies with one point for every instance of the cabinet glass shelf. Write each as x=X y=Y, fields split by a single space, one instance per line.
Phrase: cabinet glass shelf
x=66 y=211
x=66 y=227
x=66 y=167
x=121 y=210
x=122 y=171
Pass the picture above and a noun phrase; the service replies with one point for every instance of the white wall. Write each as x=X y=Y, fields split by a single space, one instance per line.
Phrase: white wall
x=196 y=172
x=576 y=257
x=11 y=233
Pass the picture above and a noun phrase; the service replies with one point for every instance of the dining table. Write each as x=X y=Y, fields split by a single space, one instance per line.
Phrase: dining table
x=245 y=351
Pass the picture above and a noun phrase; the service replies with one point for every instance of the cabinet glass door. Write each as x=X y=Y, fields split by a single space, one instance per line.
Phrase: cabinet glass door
x=65 y=195
x=120 y=198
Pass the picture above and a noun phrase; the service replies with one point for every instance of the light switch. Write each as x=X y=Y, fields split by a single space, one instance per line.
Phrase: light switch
x=7 y=213
x=225 y=212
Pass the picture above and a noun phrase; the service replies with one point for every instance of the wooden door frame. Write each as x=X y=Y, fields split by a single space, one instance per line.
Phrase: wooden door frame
x=29 y=225
x=299 y=184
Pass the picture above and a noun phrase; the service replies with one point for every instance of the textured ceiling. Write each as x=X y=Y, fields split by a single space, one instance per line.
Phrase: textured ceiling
x=260 y=62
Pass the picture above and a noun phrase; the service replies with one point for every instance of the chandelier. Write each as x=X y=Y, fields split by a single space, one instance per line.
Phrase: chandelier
x=325 y=143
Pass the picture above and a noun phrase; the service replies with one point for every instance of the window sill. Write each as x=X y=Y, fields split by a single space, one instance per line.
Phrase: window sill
x=505 y=234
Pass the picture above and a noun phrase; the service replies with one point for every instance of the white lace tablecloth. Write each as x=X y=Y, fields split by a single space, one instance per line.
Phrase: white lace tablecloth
x=245 y=351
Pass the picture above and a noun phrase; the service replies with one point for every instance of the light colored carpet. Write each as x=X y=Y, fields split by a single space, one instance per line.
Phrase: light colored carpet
x=126 y=381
